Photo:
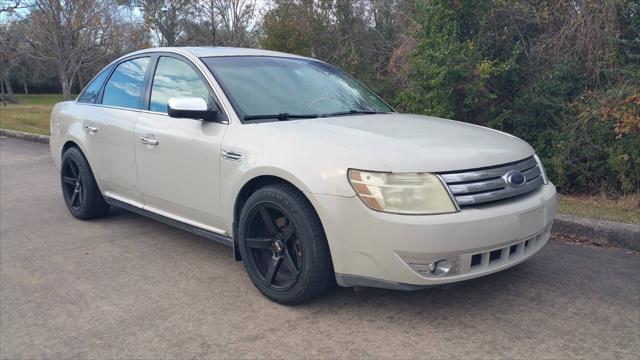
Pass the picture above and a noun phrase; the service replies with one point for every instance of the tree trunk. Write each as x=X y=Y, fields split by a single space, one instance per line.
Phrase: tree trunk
x=4 y=99
x=7 y=86
x=26 y=89
x=80 y=81
x=213 y=24
x=170 y=38
x=65 y=81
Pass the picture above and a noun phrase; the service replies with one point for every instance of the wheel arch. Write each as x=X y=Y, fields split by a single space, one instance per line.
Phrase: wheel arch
x=69 y=144
x=73 y=142
x=247 y=189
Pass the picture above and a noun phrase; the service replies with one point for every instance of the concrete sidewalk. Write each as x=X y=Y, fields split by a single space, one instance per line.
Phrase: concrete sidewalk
x=127 y=287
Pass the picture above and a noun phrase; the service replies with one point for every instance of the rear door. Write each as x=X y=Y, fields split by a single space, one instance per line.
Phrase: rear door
x=110 y=127
x=178 y=159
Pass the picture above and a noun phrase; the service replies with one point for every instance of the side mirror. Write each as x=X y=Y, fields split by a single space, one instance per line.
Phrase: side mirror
x=192 y=108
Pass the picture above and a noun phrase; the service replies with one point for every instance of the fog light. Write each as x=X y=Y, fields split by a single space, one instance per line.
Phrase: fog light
x=441 y=267
x=433 y=267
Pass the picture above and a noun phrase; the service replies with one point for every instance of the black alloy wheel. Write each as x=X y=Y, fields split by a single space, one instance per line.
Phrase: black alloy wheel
x=72 y=184
x=273 y=246
x=283 y=245
x=79 y=188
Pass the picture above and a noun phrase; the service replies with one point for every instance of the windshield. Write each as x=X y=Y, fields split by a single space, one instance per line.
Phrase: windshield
x=286 y=88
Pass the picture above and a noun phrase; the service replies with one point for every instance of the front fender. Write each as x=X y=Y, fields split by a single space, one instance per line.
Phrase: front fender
x=236 y=180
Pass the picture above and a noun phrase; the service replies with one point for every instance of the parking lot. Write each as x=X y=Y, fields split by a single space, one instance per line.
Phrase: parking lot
x=128 y=287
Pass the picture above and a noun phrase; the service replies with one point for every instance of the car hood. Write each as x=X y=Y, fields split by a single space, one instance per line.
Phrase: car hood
x=406 y=143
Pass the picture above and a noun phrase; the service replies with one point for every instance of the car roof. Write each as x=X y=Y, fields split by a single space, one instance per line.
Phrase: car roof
x=214 y=51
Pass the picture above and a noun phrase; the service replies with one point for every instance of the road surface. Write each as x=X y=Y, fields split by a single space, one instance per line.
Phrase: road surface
x=128 y=287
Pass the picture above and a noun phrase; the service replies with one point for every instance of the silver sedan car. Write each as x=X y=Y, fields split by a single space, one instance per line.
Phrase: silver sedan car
x=310 y=177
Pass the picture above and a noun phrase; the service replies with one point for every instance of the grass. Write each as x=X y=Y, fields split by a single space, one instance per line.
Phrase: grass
x=30 y=113
x=40 y=99
x=623 y=208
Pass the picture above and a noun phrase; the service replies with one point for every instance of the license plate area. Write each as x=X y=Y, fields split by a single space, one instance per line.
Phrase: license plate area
x=532 y=221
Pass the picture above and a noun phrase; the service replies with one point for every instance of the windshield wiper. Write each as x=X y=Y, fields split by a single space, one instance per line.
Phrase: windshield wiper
x=280 y=116
x=352 y=112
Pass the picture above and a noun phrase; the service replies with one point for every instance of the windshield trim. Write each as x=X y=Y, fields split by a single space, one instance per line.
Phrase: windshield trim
x=236 y=108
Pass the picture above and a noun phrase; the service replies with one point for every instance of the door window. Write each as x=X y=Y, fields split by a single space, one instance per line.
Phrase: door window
x=175 y=78
x=125 y=85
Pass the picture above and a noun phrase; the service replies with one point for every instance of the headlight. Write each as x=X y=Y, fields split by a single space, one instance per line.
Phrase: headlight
x=405 y=193
x=542 y=172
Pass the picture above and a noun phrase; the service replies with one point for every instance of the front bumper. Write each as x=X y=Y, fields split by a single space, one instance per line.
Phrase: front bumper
x=370 y=248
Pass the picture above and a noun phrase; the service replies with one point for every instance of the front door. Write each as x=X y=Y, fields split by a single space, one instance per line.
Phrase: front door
x=178 y=159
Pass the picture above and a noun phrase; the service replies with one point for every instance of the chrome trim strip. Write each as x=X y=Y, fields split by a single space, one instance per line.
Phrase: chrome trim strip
x=109 y=107
x=184 y=220
x=124 y=200
x=531 y=173
x=484 y=174
x=225 y=122
x=224 y=240
x=545 y=180
x=489 y=185
x=453 y=199
x=508 y=192
x=165 y=214
x=231 y=155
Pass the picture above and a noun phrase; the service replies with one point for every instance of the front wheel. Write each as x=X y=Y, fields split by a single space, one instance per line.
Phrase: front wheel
x=283 y=245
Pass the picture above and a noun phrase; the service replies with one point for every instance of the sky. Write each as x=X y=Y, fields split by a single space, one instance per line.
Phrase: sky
x=5 y=17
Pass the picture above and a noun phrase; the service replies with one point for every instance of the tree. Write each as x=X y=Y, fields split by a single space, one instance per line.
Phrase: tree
x=128 y=33
x=10 y=6
x=68 y=34
x=9 y=57
x=167 y=18
x=234 y=18
x=358 y=36
x=221 y=23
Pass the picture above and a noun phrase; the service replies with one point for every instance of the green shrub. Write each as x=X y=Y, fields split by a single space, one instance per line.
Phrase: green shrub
x=532 y=71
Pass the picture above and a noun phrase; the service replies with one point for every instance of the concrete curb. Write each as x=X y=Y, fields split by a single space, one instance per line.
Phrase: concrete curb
x=25 y=136
x=615 y=233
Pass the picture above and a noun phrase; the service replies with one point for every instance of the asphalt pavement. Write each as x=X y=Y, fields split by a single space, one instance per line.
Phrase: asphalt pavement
x=127 y=287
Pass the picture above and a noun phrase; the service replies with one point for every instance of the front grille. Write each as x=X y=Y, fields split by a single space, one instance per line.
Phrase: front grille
x=485 y=185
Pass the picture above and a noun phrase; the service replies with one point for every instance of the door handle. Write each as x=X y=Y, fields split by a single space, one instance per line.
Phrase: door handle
x=91 y=129
x=148 y=141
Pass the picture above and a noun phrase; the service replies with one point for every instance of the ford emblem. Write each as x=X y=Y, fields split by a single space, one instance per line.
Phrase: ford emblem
x=515 y=178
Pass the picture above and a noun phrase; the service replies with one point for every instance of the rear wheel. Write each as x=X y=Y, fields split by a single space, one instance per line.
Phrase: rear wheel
x=283 y=245
x=79 y=188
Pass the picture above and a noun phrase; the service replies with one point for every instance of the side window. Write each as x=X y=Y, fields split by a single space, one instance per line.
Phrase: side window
x=125 y=85
x=90 y=92
x=175 y=78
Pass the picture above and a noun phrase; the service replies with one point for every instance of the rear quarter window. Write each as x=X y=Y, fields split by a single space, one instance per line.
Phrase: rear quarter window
x=90 y=93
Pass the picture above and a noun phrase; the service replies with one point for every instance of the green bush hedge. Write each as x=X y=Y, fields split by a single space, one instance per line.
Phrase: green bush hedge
x=571 y=89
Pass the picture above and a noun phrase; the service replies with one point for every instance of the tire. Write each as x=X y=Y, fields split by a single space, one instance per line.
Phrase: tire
x=295 y=246
x=79 y=188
